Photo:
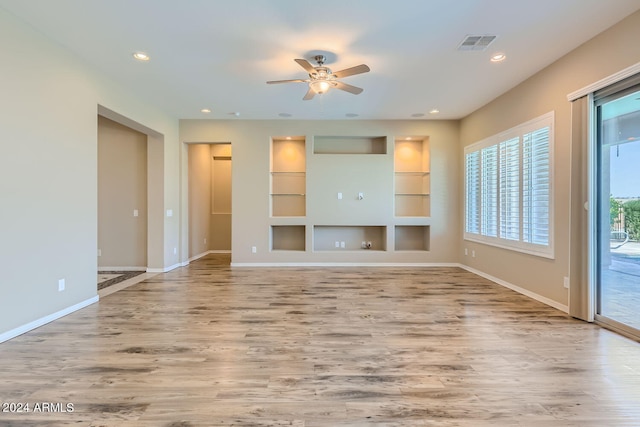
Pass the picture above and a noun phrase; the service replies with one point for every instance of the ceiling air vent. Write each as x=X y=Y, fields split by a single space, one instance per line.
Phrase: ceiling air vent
x=476 y=43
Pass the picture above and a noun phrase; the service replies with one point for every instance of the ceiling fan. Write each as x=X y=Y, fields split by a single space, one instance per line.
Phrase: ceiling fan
x=321 y=78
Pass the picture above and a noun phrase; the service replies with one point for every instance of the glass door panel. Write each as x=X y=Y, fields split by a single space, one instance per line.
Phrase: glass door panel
x=618 y=235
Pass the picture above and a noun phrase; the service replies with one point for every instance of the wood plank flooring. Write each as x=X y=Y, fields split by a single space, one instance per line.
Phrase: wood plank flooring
x=208 y=345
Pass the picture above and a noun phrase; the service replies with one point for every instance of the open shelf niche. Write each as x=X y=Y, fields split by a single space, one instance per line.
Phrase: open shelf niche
x=349 y=145
x=287 y=238
x=288 y=176
x=412 y=177
x=412 y=237
x=349 y=238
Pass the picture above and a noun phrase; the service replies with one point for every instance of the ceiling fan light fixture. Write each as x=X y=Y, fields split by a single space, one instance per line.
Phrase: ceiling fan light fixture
x=320 y=86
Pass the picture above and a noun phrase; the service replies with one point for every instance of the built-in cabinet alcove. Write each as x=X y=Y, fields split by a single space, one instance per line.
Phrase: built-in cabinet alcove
x=349 y=194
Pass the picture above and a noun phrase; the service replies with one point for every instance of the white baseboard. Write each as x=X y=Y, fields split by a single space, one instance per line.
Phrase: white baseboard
x=341 y=264
x=47 y=319
x=167 y=269
x=533 y=295
x=139 y=268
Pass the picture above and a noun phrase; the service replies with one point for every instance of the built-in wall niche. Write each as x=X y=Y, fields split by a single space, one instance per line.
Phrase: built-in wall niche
x=349 y=238
x=349 y=145
x=288 y=176
x=288 y=238
x=412 y=186
x=412 y=237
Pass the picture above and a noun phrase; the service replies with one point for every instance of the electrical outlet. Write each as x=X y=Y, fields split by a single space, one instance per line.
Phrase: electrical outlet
x=254 y=249
x=339 y=196
x=175 y=251
x=61 y=285
x=342 y=245
x=473 y=254
x=135 y=212
x=205 y=240
x=337 y=244
x=566 y=282
x=466 y=251
x=99 y=252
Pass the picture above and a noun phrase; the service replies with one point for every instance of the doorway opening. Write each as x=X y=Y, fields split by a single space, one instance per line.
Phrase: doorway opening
x=210 y=166
x=130 y=197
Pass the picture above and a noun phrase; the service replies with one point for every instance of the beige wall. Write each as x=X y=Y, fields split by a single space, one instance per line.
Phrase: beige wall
x=251 y=169
x=48 y=175
x=611 y=51
x=122 y=189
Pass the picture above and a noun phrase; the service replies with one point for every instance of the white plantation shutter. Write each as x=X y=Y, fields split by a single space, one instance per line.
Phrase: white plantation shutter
x=472 y=198
x=508 y=189
x=536 y=187
x=489 y=176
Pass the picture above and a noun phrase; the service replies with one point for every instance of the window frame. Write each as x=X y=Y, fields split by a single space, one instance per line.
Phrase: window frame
x=519 y=131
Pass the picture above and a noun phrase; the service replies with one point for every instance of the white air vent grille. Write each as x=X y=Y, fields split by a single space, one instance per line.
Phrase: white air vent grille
x=476 y=42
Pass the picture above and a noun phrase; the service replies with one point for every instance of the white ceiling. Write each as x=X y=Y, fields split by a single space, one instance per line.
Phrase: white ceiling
x=219 y=54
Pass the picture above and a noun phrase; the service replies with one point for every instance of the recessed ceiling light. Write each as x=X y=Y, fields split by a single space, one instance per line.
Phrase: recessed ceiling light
x=498 y=57
x=288 y=138
x=434 y=111
x=205 y=110
x=235 y=113
x=141 y=56
x=417 y=115
x=408 y=138
x=284 y=115
x=351 y=115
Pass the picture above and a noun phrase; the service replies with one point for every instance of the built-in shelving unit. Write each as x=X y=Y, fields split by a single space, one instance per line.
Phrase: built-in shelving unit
x=412 y=177
x=369 y=196
x=288 y=176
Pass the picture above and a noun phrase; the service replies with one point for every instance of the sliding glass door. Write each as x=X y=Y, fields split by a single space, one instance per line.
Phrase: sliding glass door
x=618 y=217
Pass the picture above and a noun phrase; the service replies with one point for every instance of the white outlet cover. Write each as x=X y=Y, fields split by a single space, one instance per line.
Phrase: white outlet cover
x=61 y=285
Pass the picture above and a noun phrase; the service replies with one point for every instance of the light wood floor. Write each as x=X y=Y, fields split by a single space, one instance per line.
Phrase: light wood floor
x=207 y=345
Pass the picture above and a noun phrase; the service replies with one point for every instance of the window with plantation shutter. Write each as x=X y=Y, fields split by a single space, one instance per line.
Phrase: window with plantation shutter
x=508 y=188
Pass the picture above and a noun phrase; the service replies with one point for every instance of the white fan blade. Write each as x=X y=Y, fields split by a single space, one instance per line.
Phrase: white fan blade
x=310 y=94
x=286 y=81
x=358 y=69
x=348 y=88
x=306 y=65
